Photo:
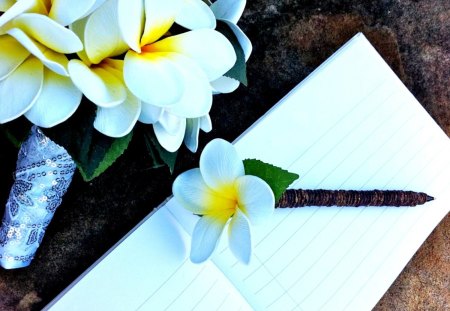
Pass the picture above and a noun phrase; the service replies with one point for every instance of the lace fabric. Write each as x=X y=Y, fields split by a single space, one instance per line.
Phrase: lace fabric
x=43 y=173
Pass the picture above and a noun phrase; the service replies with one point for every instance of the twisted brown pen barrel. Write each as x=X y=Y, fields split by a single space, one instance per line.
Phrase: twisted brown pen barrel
x=354 y=198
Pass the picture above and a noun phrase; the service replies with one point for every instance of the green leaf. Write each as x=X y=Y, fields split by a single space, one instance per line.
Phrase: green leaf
x=239 y=70
x=92 y=151
x=277 y=178
x=116 y=149
x=159 y=155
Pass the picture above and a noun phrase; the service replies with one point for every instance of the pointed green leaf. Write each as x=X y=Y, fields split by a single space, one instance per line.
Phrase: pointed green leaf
x=239 y=70
x=116 y=149
x=277 y=178
x=159 y=155
x=92 y=151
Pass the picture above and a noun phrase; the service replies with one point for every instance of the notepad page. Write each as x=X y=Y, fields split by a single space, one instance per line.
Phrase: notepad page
x=150 y=270
x=351 y=125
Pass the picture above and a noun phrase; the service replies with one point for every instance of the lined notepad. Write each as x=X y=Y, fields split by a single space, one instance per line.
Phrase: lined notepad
x=351 y=124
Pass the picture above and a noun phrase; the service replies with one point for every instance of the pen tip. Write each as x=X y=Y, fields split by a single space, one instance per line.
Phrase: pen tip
x=429 y=198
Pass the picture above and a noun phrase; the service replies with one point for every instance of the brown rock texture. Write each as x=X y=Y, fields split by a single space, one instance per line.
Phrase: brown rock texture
x=291 y=38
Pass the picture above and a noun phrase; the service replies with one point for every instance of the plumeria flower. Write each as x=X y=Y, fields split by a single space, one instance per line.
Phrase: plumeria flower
x=167 y=76
x=222 y=194
x=229 y=12
x=171 y=130
x=173 y=72
x=33 y=68
x=100 y=76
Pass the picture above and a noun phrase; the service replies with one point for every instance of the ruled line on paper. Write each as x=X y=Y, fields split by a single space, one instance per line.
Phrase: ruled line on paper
x=162 y=285
x=344 y=137
x=412 y=225
x=406 y=142
x=386 y=233
x=358 y=146
x=178 y=295
x=377 y=217
x=358 y=166
x=204 y=295
x=296 y=258
x=224 y=300
x=312 y=214
x=368 y=231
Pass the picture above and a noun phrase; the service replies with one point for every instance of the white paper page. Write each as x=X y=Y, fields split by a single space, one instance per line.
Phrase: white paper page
x=350 y=125
x=150 y=270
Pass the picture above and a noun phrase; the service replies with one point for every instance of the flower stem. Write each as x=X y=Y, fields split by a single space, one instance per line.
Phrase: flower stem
x=302 y=197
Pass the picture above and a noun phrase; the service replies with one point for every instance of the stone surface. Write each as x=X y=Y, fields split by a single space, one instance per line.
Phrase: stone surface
x=290 y=39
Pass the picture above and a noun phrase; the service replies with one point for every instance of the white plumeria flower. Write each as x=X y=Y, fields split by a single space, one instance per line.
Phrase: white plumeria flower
x=172 y=73
x=100 y=77
x=171 y=130
x=33 y=68
x=175 y=71
x=222 y=194
x=229 y=12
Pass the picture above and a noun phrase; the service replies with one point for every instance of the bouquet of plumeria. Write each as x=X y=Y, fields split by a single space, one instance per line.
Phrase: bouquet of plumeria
x=157 y=62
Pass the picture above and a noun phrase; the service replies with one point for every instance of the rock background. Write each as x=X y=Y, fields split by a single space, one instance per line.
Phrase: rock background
x=290 y=39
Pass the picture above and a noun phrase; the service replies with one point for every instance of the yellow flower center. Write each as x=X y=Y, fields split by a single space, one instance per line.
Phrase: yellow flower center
x=224 y=201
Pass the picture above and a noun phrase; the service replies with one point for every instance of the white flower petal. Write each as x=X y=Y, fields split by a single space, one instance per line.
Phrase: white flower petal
x=131 y=22
x=171 y=123
x=48 y=32
x=225 y=85
x=98 y=84
x=242 y=38
x=78 y=28
x=206 y=124
x=52 y=60
x=159 y=17
x=228 y=9
x=197 y=98
x=115 y=66
x=19 y=91
x=190 y=189
x=205 y=237
x=153 y=78
x=6 y=4
x=255 y=198
x=94 y=7
x=19 y=7
x=58 y=100
x=192 y=133
x=118 y=121
x=65 y=12
x=102 y=37
x=193 y=127
x=12 y=54
x=220 y=164
x=150 y=114
x=170 y=141
x=209 y=48
x=192 y=192
x=239 y=237
x=195 y=14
